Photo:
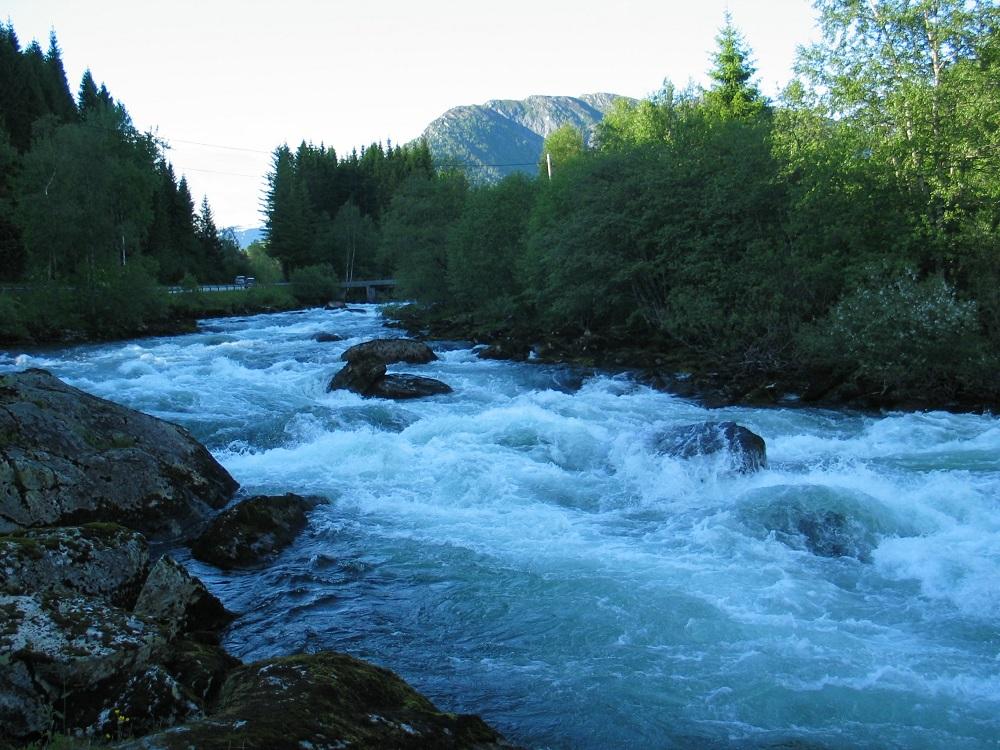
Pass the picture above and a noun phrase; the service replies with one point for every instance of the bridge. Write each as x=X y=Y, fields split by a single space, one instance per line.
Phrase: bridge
x=371 y=287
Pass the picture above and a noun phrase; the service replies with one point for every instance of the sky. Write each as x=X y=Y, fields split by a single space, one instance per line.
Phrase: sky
x=224 y=82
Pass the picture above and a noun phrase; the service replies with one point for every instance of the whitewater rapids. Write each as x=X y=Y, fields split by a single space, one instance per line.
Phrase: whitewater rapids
x=517 y=549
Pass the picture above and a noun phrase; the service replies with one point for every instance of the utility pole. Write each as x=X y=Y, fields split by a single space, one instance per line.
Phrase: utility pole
x=548 y=163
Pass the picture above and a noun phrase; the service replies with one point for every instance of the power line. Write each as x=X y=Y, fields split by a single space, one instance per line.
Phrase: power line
x=168 y=140
x=214 y=171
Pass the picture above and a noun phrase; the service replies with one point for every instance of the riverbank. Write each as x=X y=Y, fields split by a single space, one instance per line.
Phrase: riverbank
x=55 y=317
x=671 y=368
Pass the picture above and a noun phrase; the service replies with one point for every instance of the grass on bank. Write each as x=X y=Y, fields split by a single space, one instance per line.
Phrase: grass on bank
x=127 y=303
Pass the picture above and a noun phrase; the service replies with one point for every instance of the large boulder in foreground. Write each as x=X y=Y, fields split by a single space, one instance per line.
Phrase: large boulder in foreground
x=250 y=533
x=390 y=351
x=746 y=449
x=322 y=700
x=106 y=561
x=67 y=458
x=70 y=654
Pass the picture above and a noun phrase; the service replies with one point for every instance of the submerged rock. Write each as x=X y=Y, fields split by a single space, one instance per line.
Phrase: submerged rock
x=747 y=449
x=249 y=533
x=67 y=457
x=323 y=700
x=326 y=337
x=389 y=351
x=825 y=521
x=99 y=560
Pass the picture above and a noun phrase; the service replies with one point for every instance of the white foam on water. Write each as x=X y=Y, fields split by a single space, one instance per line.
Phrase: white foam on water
x=518 y=548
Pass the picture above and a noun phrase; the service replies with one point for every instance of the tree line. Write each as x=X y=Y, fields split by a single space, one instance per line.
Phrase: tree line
x=90 y=203
x=848 y=229
x=324 y=212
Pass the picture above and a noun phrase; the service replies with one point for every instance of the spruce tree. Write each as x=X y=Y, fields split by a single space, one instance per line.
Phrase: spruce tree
x=87 y=98
x=57 y=92
x=733 y=94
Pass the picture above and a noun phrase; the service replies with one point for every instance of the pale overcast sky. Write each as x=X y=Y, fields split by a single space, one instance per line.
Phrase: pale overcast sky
x=252 y=74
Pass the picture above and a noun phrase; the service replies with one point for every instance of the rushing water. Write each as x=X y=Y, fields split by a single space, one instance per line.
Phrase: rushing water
x=519 y=551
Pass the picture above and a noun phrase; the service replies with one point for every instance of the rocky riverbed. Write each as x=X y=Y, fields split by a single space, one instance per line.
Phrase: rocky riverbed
x=101 y=641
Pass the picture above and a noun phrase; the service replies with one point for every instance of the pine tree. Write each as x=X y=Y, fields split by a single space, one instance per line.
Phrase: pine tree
x=21 y=92
x=212 y=258
x=57 y=92
x=733 y=94
x=87 y=98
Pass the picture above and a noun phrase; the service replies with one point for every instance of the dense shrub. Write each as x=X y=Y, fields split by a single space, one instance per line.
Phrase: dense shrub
x=901 y=332
x=313 y=285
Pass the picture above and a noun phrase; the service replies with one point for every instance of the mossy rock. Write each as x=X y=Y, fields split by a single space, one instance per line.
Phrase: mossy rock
x=179 y=603
x=323 y=700
x=68 y=458
x=252 y=532
x=100 y=559
x=201 y=667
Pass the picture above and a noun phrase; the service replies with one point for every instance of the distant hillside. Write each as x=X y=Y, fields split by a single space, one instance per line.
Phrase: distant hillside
x=245 y=235
x=503 y=136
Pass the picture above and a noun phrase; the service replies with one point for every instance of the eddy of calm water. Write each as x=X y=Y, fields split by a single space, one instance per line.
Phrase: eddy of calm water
x=518 y=550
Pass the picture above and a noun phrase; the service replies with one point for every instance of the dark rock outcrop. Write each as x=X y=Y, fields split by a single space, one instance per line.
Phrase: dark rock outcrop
x=105 y=561
x=408 y=386
x=251 y=532
x=508 y=349
x=326 y=337
x=365 y=371
x=179 y=602
x=67 y=457
x=322 y=700
x=390 y=351
x=361 y=377
x=746 y=449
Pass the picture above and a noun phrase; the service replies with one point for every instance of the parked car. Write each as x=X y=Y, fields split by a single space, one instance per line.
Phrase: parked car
x=240 y=281
x=250 y=281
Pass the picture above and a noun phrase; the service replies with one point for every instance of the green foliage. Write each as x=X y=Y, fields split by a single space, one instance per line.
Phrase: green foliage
x=733 y=93
x=85 y=195
x=561 y=146
x=485 y=248
x=355 y=242
x=12 y=323
x=263 y=267
x=903 y=333
x=315 y=284
x=260 y=298
x=107 y=302
x=118 y=300
x=415 y=234
x=308 y=189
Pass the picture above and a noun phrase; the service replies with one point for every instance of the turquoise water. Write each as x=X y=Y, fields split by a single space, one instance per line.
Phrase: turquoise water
x=517 y=550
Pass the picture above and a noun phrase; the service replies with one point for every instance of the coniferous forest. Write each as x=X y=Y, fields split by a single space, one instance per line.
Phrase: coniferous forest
x=840 y=241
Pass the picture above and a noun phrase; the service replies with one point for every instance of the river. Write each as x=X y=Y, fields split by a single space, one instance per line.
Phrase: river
x=518 y=550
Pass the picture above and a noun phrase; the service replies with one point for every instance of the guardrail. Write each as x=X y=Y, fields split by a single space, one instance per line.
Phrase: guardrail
x=375 y=283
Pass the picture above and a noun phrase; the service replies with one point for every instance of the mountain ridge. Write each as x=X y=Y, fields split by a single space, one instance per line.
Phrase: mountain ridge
x=503 y=136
